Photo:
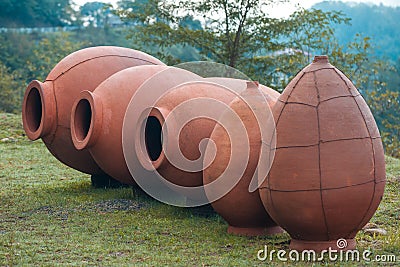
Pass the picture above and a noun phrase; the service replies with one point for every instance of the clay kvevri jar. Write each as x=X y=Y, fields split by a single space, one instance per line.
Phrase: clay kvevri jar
x=328 y=176
x=97 y=117
x=46 y=109
x=242 y=209
x=192 y=133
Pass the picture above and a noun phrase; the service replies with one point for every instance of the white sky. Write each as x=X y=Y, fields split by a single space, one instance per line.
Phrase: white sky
x=286 y=9
x=282 y=10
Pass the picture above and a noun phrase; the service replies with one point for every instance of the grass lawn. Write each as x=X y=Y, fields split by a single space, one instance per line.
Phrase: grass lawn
x=50 y=215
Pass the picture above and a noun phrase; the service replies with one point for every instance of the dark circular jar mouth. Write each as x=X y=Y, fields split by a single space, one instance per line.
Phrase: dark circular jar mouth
x=34 y=110
x=86 y=119
x=82 y=119
x=149 y=138
x=38 y=110
x=153 y=137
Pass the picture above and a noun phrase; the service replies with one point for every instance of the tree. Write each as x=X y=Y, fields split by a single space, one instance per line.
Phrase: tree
x=15 y=48
x=11 y=90
x=383 y=27
x=239 y=34
x=96 y=13
x=385 y=105
x=242 y=35
x=132 y=5
x=370 y=76
x=48 y=52
x=35 y=13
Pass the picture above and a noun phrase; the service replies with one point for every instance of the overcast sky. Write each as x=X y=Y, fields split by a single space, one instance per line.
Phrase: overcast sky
x=282 y=10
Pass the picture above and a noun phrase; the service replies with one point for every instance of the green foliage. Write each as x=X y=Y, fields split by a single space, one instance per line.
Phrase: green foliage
x=386 y=109
x=48 y=52
x=235 y=33
x=239 y=34
x=25 y=57
x=378 y=22
x=96 y=13
x=35 y=13
x=15 y=48
x=304 y=34
x=95 y=36
x=370 y=75
x=11 y=90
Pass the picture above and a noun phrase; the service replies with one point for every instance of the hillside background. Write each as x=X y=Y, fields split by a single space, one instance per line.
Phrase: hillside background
x=381 y=23
x=36 y=34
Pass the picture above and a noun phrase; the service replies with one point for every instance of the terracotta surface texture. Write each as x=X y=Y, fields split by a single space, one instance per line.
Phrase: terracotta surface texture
x=97 y=117
x=190 y=135
x=46 y=109
x=193 y=132
x=243 y=210
x=328 y=175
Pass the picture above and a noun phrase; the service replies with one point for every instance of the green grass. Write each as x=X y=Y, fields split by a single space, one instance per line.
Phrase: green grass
x=50 y=215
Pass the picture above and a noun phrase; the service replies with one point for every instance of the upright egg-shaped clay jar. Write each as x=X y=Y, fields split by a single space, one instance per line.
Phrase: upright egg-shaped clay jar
x=46 y=109
x=242 y=209
x=97 y=117
x=328 y=175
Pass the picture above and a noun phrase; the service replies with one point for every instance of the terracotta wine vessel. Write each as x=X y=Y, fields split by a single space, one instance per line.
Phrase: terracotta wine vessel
x=242 y=209
x=46 y=109
x=152 y=157
x=97 y=117
x=328 y=175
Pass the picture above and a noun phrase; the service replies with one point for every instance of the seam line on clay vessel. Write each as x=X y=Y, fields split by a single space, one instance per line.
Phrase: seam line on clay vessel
x=280 y=114
x=372 y=148
x=325 y=189
x=53 y=134
x=311 y=71
x=336 y=97
x=294 y=87
x=300 y=103
x=298 y=80
x=324 y=142
x=341 y=74
x=299 y=146
x=373 y=155
x=295 y=84
x=111 y=55
x=371 y=141
x=302 y=73
x=270 y=198
x=276 y=126
x=319 y=155
x=345 y=139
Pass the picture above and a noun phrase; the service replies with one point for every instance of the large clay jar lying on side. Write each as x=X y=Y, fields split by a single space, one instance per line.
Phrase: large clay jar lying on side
x=328 y=176
x=189 y=137
x=97 y=117
x=242 y=209
x=46 y=109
